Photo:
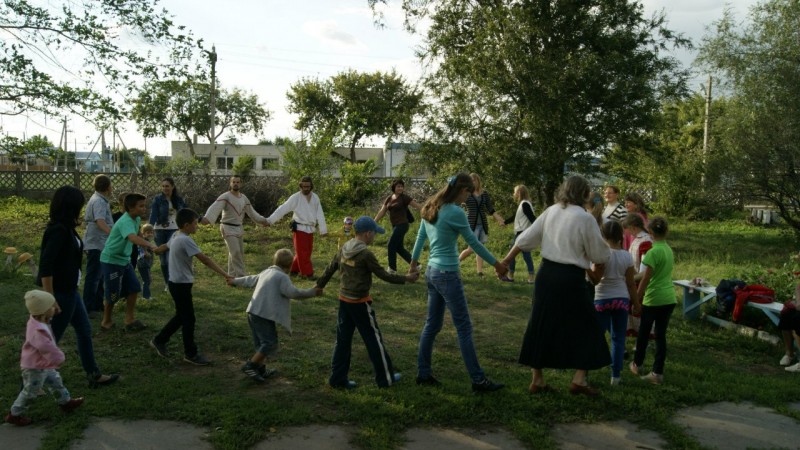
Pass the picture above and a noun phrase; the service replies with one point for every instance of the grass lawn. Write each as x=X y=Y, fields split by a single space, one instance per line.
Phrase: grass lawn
x=705 y=364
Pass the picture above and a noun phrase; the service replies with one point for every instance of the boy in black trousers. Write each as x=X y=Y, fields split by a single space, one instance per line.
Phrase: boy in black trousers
x=358 y=264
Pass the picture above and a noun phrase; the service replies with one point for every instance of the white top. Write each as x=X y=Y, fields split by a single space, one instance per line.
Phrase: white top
x=567 y=235
x=182 y=249
x=233 y=210
x=171 y=216
x=613 y=284
x=521 y=221
x=307 y=213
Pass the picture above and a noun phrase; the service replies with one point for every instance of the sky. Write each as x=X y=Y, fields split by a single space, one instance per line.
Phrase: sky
x=265 y=46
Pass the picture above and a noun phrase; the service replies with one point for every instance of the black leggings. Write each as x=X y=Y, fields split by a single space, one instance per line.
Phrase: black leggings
x=396 y=245
x=660 y=315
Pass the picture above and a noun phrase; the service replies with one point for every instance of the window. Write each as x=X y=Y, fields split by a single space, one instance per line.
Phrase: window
x=224 y=162
x=270 y=164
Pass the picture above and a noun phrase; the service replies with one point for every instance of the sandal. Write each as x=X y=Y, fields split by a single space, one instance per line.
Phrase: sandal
x=102 y=328
x=136 y=325
x=506 y=279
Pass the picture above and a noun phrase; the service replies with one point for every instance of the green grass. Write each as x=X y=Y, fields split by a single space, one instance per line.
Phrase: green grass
x=705 y=364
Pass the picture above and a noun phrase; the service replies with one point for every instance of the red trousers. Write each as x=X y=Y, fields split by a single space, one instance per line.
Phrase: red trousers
x=303 y=246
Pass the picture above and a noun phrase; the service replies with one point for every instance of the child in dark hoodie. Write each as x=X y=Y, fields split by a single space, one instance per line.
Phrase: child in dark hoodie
x=358 y=264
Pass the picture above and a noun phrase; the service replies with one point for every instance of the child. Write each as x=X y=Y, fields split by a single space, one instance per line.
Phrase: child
x=145 y=260
x=39 y=359
x=657 y=301
x=119 y=277
x=355 y=305
x=181 y=277
x=271 y=303
x=346 y=232
x=522 y=219
x=613 y=293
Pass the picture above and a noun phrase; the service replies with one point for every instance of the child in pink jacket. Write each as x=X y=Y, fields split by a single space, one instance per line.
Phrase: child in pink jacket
x=40 y=358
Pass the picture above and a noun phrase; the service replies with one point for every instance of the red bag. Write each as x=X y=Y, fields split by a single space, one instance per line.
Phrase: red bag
x=755 y=293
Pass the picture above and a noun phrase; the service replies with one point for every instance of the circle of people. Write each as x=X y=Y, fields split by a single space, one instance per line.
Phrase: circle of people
x=605 y=267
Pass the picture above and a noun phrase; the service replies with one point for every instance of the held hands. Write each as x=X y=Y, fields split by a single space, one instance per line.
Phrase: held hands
x=318 y=290
x=412 y=277
x=500 y=268
x=163 y=248
x=229 y=280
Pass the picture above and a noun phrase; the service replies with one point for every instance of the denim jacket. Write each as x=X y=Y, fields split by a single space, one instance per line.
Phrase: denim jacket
x=159 y=210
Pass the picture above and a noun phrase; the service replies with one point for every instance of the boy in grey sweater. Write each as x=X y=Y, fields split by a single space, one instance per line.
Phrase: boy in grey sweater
x=270 y=304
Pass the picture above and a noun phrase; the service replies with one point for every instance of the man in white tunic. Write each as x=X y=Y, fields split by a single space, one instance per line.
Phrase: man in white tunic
x=234 y=206
x=307 y=214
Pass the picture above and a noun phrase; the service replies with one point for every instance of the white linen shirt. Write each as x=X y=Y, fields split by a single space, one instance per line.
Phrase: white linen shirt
x=567 y=235
x=307 y=213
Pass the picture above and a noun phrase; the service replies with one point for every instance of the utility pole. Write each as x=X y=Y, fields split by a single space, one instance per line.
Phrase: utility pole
x=213 y=138
x=706 y=131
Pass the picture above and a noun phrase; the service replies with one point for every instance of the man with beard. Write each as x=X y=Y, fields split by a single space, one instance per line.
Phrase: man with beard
x=233 y=205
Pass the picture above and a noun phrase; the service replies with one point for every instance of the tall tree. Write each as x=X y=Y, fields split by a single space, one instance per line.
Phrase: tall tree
x=759 y=62
x=183 y=106
x=351 y=106
x=525 y=87
x=84 y=56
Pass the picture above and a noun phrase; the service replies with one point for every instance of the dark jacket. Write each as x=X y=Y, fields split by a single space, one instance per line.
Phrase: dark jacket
x=477 y=209
x=61 y=257
x=357 y=264
x=159 y=209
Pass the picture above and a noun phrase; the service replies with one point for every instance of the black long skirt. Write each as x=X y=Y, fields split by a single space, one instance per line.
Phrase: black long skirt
x=563 y=330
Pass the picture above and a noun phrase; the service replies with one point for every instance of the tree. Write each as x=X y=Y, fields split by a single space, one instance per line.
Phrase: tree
x=84 y=56
x=351 y=106
x=244 y=165
x=183 y=106
x=315 y=160
x=522 y=89
x=759 y=64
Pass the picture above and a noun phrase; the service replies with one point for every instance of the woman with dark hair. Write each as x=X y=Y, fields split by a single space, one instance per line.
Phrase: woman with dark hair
x=443 y=221
x=59 y=274
x=563 y=331
x=162 y=216
x=397 y=206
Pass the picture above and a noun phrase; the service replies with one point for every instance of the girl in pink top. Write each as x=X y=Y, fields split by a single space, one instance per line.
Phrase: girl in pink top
x=39 y=359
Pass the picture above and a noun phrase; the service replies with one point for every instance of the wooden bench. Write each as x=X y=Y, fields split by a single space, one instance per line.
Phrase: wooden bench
x=695 y=296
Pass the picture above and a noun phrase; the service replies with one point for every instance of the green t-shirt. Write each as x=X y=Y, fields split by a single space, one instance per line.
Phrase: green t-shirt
x=659 y=291
x=118 y=248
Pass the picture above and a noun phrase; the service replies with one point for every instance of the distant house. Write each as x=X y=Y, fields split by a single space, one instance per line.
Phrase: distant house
x=394 y=155
x=92 y=162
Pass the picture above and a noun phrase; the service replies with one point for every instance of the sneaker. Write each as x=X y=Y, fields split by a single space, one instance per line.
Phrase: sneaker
x=197 y=360
x=428 y=381
x=20 y=421
x=251 y=369
x=161 y=349
x=396 y=377
x=793 y=368
x=166 y=288
x=71 y=405
x=391 y=271
x=615 y=381
x=350 y=384
x=265 y=372
x=486 y=386
x=100 y=379
x=634 y=368
x=654 y=378
x=149 y=299
x=787 y=360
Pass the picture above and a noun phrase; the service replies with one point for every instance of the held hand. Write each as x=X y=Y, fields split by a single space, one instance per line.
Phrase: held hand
x=412 y=277
x=318 y=290
x=500 y=269
x=161 y=249
x=229 y=280
x=58 y=308
x=414 y=267
x=204 y=221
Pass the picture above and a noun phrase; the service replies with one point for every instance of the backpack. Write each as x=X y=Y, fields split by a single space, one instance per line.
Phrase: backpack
x=726 y=295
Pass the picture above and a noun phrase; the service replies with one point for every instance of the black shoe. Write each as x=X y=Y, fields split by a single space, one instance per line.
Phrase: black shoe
x=161 y=349
x=350 y=384
x=265 y=372
x=251 y=369
x=486 y=386
x=98 y=379
x=428 y=381
x=197 y=360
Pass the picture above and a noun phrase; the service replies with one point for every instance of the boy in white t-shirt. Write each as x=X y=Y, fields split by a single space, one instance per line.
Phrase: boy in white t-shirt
x=181 y=278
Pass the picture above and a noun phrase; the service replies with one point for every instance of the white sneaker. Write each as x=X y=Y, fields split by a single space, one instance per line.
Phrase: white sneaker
x=615 y=381
x=793 y=368
x=391 y=271
x=654 y=378
x=787 y=360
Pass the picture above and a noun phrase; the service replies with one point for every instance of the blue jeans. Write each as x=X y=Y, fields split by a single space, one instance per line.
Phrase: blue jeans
x=615 y=321
x=446 y=290
x=396 y=245
x=144 y=272
x=526 y=256
x=162 y=237
x=74 y=313
x=92 y=285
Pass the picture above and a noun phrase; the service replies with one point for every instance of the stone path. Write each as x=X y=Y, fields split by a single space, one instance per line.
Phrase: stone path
x=723 y=425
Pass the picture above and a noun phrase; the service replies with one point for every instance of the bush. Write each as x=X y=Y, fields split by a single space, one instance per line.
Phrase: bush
x=357 y=187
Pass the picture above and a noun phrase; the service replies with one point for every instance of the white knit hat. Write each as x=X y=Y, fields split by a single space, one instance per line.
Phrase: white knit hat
x=38 y=302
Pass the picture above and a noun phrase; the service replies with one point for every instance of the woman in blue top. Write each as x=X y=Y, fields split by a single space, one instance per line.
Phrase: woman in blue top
x=442 y=222
x=162 y=216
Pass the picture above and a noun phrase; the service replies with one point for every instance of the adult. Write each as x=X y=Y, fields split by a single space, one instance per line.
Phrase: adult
x=163 y=210
x=397 y=205
x=789 y=324
x=563 y=331
x=234 y=206
x=307 y=214
x=634 y=204
x=523 y=218
x=479 y=204
x=98 y=221
x=59 y=274
x=614 y=210
x=443 y=221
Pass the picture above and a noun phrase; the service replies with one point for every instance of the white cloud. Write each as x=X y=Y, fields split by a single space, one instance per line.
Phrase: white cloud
x=330 y=33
